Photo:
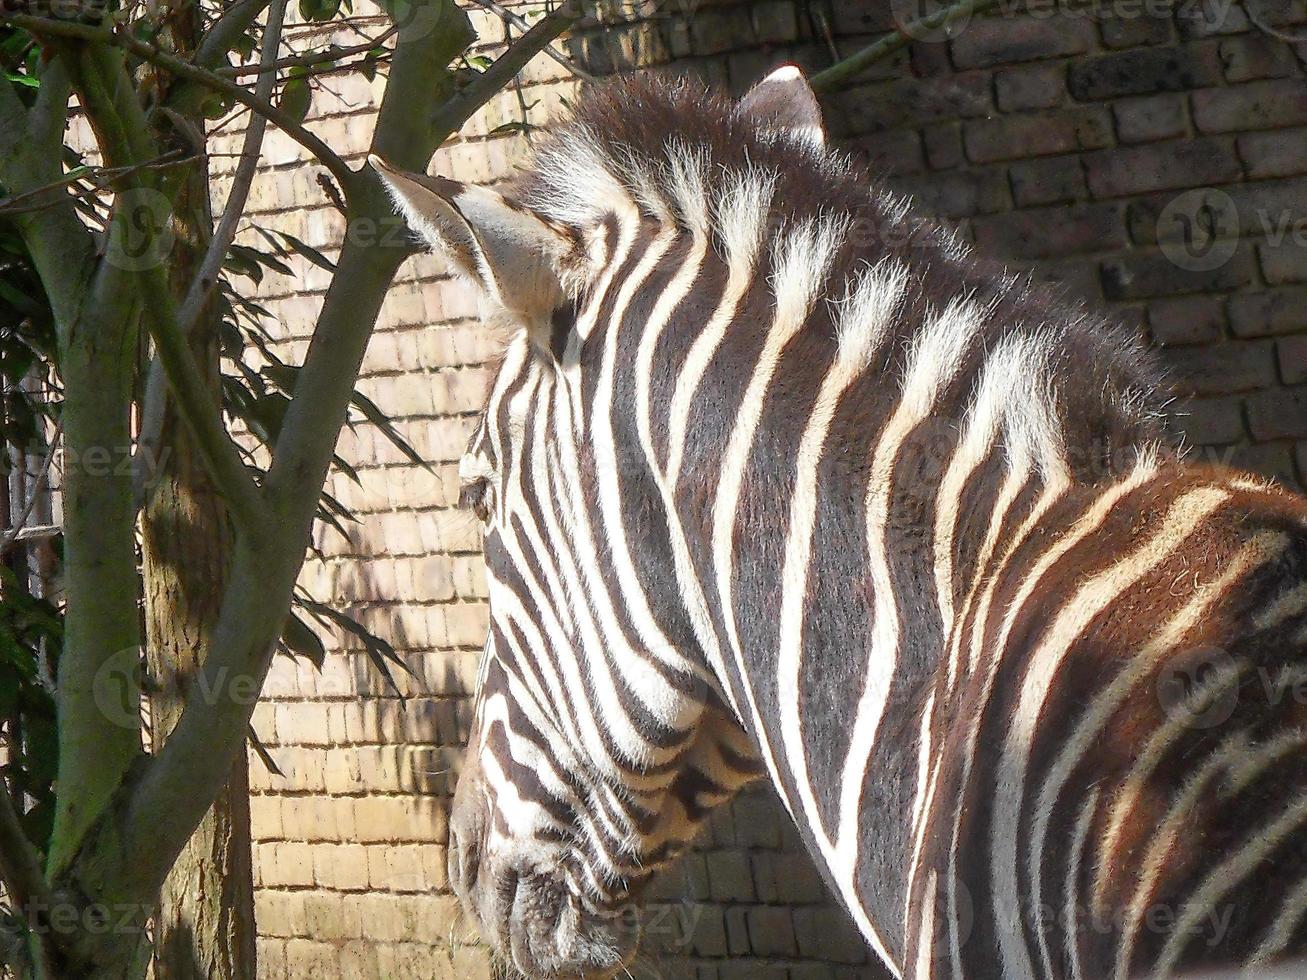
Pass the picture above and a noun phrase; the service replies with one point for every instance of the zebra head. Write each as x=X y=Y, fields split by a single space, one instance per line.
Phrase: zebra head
x=602 y=736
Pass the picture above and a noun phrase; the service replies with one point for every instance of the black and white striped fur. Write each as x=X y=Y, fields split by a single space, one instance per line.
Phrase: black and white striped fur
x=777 y=479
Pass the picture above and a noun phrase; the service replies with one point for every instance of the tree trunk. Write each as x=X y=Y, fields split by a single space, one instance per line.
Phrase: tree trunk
x=204 y=928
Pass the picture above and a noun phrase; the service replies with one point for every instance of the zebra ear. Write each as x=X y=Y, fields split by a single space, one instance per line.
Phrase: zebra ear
x=510 y=252
x=785 y=102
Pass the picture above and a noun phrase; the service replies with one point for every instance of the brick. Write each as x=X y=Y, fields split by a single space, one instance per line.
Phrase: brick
x=1039 y=134
x=775 y=22
x=1049 y=180
x=1142 y=71
x=1284 y=262
x=286 y=864
x=1292 y=353
x=1275 y=460
x=1151 y=118
x=715 y=31
x=1133 y=31
x=1255 y=56
x=1006 y=40
x=943 y=146
x=1198 y=20
x=893 y=153
x=1187 y=321
x=1212 y=421
x=709 y=937
x=907 y=103
x=771 y=931
x=271 y=956
x=1255 y=105
x=1051 y=232
x=1281 y=153
x=306 y=958
x=1138 y=276
x=1161 y=166
x=1030 y=87
x=737 y=931
x=1224 y=369
x=729 y=876
x=828 y=934
x=1278 y=414
x=757 y=822
x=1275 y=311
x=959 y=195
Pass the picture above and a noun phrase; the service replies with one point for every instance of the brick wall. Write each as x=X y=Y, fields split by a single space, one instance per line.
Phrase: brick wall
x=1071 y=143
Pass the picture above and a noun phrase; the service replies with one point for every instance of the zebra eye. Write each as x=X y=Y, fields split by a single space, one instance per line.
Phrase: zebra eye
x=476 y=497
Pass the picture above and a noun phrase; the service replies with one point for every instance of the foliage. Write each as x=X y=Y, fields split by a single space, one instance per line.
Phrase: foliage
x=93 y=342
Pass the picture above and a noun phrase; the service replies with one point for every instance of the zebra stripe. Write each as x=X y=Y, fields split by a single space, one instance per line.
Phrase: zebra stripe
x=766 y=495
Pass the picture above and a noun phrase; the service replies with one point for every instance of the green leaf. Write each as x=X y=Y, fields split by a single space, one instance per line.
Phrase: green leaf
x=295 y=245
x=302 y=641
x=380 y=652
x=296 y=99
x=30 y=81
x=319 y=10
x=378 y=418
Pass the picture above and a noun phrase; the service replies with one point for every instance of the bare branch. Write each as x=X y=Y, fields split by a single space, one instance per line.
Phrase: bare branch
x=20 y=531
x=226 y=30
x=243 y=179
x=20 y=864
x=99 y=179
x=221 y=456
x=840 y=73
x=159 y=813
x=121 y=37
x=451 y=116
x=310 y=60
x=509 y=17
x=154 y=402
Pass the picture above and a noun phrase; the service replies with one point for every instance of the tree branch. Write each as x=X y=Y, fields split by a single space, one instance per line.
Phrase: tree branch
x=121 y=37
x=451 y=116
x=160 y=812
x=155 y=401
x=30 y=143
x=251 y=148
x=509 y=17
x=226 y=30
x=840 y=73
x=309 y=60
x=20 y=864
x=99 y=179
x=221 y=456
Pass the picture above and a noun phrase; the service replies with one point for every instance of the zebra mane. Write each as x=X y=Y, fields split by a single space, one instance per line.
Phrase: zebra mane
x=681 y=152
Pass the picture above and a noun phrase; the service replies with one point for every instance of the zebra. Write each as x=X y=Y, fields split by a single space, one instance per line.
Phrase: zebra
x=781 y=481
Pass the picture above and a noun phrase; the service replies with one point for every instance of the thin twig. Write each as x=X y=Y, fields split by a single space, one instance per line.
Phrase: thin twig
x=841 y=72
x=155 y=401
x=243 y=179
x=20 y=864
x=15 y=533
x=451 y=116
x=309 y=60
x=98 y=180
x=333 y=192
x=221 y=454
x=183 y=69
x=517 y=21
